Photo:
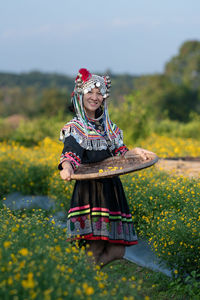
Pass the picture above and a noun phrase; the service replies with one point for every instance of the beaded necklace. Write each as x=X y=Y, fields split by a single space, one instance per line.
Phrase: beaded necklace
x=100 y=129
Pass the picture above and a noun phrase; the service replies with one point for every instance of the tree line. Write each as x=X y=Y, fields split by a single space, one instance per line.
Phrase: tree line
x=173 y=95
x=34 y=94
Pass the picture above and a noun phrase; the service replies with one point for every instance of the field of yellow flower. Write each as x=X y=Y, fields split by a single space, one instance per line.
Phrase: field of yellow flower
x=36 y=262
x=165 y=210
x=172 y=147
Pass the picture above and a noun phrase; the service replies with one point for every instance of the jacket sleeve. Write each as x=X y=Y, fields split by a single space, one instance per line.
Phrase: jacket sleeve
x=120 y=148
x=72 y=152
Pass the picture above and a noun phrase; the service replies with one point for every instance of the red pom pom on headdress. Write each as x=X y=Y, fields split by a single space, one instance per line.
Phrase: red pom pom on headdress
x=86 y=75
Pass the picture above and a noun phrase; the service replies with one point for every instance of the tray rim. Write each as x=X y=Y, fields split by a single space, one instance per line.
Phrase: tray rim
x=117 y=172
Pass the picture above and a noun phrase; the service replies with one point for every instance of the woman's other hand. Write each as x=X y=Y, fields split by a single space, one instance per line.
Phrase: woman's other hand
x=138 y=151
x=67 y=171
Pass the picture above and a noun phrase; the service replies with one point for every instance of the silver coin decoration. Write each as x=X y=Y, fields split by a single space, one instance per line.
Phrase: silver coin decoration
x=103 y=83
x=85 y=91
x=98 y=84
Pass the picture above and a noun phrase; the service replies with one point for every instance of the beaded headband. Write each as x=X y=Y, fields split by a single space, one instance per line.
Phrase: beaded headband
x=85 y=82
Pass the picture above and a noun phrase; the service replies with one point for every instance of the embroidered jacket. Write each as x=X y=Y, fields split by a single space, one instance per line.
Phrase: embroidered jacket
x=91 y=146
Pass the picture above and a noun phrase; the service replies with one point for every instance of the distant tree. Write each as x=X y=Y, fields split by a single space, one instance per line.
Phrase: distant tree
x=165 y=99
x=185 y=67
x=132 y=116
x=152 y=91
x=36 y=79
x=11 y=101
x=52 y=101
x=2 y=107
x=121 y=85
x=16 y=100
x=174 y=94
x=178 y=102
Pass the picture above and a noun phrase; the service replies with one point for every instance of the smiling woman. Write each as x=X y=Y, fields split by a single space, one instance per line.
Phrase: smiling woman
x=92 y=101
x=99 y=213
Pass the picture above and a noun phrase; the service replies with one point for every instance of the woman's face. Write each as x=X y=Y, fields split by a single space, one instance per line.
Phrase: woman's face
x=92 y=101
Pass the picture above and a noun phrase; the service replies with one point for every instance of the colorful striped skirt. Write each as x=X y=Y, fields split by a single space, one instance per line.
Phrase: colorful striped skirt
x=99 y=211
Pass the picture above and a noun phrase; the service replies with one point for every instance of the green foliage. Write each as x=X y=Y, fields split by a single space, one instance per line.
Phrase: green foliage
x=138 y=103
x=60 y=191
x=36 y=79
x=37 y=262
x=131 y=117
x=177 y=129
x=53 y=101
x=166 y=210
x=174 y=94
x=19 y=101
x=31 y=101
x=121 y=85
x=37 y=93
x=32 y=132
x=179 y=102
x=164 y=99
x=26 y=177
x=6 y=130
x=185 y=67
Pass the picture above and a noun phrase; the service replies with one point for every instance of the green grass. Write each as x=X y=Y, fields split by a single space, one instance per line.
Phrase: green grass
x=154 y=284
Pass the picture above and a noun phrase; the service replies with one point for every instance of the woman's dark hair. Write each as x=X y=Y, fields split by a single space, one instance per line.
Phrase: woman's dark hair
x=71 y=108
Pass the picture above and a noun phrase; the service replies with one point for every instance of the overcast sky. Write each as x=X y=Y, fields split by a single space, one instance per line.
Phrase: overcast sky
x=125 y=36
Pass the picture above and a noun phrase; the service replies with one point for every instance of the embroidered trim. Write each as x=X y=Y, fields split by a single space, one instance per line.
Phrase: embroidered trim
x=100 y=223
x=99 y=211
x=72 y=158
x=96 y=238
x=94 y=140
x=121 y=150
x=98 y=227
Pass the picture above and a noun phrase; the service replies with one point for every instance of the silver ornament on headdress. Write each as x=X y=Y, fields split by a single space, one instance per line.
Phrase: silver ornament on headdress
x=103 y=83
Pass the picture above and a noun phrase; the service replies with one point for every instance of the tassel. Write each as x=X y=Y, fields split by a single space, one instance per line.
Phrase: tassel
x=61 y=136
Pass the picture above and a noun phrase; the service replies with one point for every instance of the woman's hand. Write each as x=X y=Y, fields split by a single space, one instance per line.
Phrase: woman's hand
x=67 y=171
x=129 y=153
x=137 y=151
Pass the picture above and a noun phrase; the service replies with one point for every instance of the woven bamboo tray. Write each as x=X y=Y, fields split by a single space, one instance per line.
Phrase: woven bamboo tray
x=117 y=165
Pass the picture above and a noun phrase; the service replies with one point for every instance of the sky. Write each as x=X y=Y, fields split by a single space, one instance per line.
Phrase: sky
x=123 y=36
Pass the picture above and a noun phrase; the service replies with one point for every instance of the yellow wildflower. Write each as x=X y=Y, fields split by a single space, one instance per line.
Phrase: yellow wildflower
x=23 y=251
x=6 y=244
x=89 y=290
x=29 y=283
x=10 y=281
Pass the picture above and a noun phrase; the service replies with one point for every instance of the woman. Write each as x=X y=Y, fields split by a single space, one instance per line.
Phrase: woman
x=99 y=213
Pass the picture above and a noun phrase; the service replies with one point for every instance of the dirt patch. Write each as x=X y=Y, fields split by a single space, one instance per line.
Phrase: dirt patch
x=179 y=167
x=14 y=120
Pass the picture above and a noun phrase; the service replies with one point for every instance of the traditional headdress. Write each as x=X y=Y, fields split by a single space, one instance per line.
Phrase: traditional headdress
x=85 y=82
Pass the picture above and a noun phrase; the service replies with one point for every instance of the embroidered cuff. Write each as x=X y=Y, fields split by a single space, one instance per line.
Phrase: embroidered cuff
x=74 y=160
x=121 y=150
